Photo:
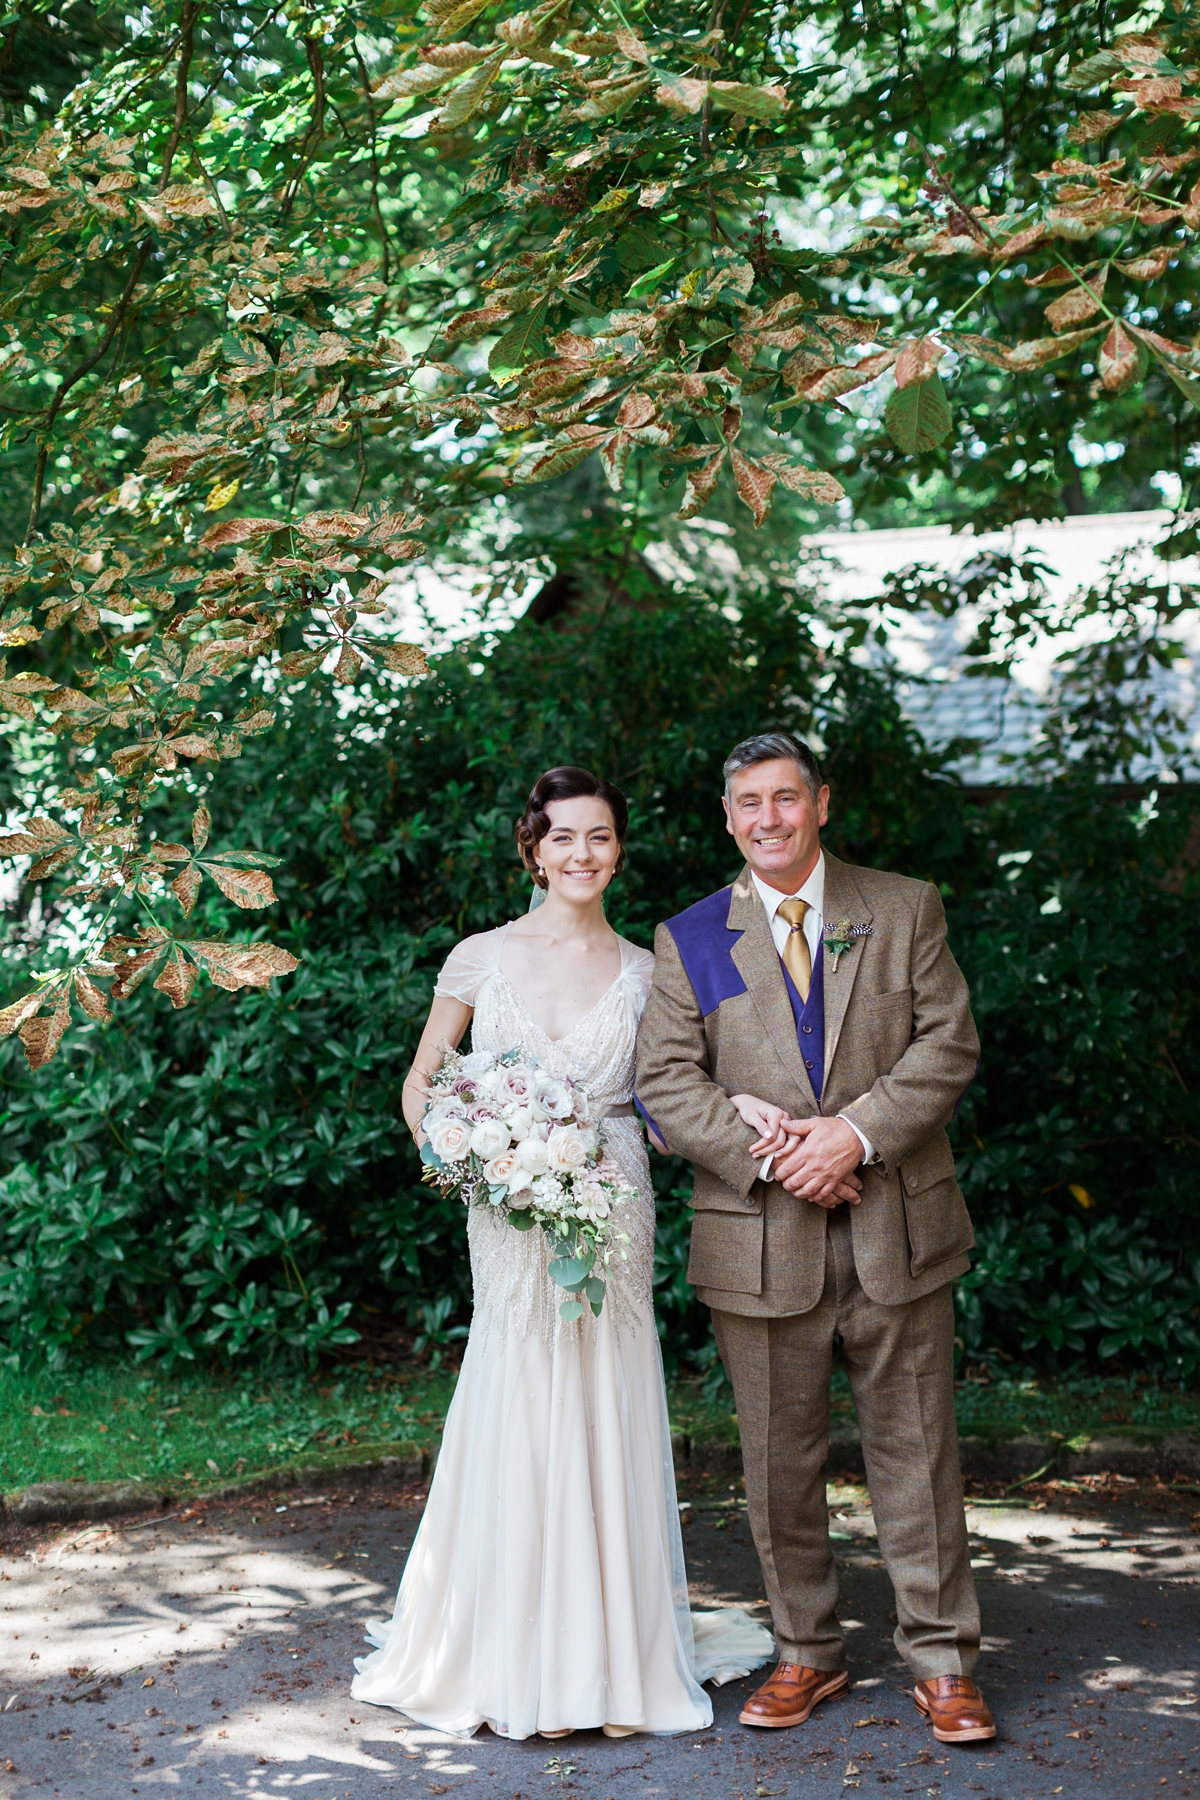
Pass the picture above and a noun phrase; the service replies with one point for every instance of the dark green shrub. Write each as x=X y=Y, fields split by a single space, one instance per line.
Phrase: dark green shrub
x=231 y=1180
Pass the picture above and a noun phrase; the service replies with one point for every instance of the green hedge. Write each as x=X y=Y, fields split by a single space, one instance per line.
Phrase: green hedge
x=233 y=1180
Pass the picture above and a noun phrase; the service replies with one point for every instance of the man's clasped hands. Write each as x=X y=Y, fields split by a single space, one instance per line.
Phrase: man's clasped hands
x=814 y=1158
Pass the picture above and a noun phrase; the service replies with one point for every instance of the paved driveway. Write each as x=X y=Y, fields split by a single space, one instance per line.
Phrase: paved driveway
x=211 y=1655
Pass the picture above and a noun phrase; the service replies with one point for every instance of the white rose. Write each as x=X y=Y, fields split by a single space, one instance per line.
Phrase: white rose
x=500 y=1170
x=552 y=1098
x=489 y=1138
x=450 y=1139
x=519 y=1120
x=520 y=1187
x=566 y=1150
x=531 y=1154
x=478 y=1063
x=450 y=1108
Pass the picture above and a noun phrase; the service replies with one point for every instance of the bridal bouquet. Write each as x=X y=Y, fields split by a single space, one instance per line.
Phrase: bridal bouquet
x=502 y=1132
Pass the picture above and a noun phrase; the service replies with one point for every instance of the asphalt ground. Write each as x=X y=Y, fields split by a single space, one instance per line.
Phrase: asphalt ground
x=211 y=1654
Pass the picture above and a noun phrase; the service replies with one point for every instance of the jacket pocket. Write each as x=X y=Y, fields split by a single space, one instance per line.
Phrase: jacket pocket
x=935 y=1213
x=891 y=1024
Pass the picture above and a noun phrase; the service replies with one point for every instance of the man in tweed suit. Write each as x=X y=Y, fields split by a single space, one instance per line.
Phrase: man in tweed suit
x=829 y=994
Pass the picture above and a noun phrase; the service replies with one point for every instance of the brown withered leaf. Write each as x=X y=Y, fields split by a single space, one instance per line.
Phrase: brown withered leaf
x=325 y=527
x=238 y=531
x=1150 y=266
x=1035 y=352
x=133 y=970
x=754 y=485
x=41 y=1036
x=57 y=859
x=201 y=826
x=192 y=744
x=247 y=888
x=1021 y=240
x=812 y=484
x=846 y=377
x=1079 y=304
x=90 y=997
x=1120 y=361
x=988 y=350
x=1091 y=126
x=236 y=966
x=1058 y=275
x=38 y=836
x=698 y=489
x=303 y=662
x=403 y=659
x=163 y=852
x=917 y=360
x=348 y=665
x=178 y=978
x=15 y=1015
x=186 y=887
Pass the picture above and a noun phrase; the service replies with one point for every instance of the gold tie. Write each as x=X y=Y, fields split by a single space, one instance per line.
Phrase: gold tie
x=797 y=958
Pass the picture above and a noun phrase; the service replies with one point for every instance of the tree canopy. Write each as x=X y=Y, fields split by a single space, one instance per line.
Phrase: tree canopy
x=295 y=296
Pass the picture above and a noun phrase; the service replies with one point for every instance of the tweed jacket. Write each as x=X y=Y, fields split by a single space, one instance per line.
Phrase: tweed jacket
x=900 y=1050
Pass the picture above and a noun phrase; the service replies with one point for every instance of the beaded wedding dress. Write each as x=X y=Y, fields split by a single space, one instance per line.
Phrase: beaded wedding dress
x=545 y=1589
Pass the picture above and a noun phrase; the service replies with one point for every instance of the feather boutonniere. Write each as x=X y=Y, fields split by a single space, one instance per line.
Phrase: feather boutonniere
x=840 y=937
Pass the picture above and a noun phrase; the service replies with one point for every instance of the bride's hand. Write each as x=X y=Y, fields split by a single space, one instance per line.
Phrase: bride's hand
x=767 y=1120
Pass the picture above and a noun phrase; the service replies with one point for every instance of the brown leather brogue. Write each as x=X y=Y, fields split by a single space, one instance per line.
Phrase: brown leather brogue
x=956 y=1709
x=790 y=1694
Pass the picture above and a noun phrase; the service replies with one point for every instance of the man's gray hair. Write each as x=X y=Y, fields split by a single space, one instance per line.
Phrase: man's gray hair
x=773 y=746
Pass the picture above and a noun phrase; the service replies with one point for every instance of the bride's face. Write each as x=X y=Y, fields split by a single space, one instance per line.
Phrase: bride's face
x=579 y=852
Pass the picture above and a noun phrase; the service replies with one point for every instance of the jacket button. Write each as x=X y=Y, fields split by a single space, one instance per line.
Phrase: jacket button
x=806 y=1028
x=807 y=1064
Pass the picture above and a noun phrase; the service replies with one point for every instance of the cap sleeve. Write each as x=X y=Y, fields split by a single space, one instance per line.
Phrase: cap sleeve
x=637 y=966
x=468 y=966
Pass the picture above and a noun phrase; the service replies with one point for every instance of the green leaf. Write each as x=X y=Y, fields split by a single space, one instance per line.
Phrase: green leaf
x=571 y=1309
x=653 y=278
x=570 y=1272
x=523 y=342
x=594 y=1288
x=430 y=1157
x=918 y=417
x=521 y=1219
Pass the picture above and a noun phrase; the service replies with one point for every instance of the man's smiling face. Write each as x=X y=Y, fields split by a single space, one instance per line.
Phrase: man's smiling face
x=775 y=821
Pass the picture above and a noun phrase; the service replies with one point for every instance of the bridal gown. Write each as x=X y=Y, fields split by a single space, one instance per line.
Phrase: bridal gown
x=545 y=1588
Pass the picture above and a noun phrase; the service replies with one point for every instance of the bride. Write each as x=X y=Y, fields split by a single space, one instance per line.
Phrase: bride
x=545 y=1590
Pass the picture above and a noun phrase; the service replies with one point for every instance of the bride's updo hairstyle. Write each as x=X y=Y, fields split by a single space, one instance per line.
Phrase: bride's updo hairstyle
x=567 y=783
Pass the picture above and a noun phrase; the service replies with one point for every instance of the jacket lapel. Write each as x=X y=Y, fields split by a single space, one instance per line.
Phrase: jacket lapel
x=843 y=900
x=757 y=961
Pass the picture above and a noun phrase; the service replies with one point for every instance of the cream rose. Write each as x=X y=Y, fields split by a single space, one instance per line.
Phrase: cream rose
x=450 y=1139
x=478 y=1062
x=566 y=1150
x=489 y=1138
x=500 y=1170
x=519 y=1120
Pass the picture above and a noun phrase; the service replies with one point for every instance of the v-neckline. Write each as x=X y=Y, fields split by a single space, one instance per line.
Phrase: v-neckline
x=579 y=1023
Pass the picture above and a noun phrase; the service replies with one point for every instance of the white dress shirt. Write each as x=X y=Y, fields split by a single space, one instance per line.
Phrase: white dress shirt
x=813 y=892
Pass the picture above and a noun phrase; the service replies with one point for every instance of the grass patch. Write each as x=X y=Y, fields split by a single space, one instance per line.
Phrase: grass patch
x=109 y=1422
x=1071 y=1405
x=1007 y=1403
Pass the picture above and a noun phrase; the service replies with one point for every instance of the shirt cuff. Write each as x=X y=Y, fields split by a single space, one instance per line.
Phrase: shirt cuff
x=870 y=1154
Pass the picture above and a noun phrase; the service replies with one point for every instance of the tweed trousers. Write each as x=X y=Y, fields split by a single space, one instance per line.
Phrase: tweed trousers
x=900 y=1360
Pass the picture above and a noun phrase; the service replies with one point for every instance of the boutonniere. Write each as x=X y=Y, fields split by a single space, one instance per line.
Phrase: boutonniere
x=840 y=937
